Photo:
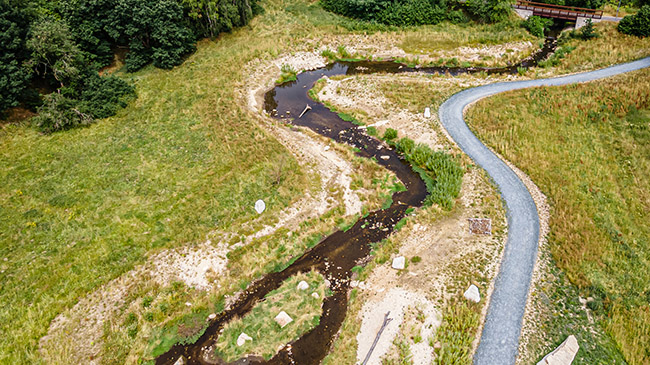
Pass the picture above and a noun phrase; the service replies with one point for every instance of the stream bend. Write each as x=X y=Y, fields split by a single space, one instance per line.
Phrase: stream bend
x=500 y=338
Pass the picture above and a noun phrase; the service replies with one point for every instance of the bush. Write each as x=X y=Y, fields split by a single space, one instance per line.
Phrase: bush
x=457 y=17
x=638 y=24
x=537 y=25
x=59 y=113
x=104 y=96
x=390 y=134
x=588 y=32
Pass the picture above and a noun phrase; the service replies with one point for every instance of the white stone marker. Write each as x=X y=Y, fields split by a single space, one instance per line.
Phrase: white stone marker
x=283 y=319
x=472 y=294
x=399 y=263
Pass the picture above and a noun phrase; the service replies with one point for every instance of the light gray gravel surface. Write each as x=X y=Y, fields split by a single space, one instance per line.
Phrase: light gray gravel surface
x=500 y=337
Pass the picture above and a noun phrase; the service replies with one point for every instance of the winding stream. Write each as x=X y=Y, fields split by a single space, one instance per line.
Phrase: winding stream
x=336 y=255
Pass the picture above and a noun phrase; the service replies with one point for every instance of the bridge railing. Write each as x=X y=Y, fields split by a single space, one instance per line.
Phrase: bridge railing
x=558 y=11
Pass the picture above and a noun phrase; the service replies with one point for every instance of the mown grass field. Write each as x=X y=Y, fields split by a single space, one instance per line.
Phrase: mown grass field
x=587 y=147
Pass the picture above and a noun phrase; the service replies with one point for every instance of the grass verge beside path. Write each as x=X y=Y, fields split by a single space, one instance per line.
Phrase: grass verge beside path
x=609 y=48
x=587 y=146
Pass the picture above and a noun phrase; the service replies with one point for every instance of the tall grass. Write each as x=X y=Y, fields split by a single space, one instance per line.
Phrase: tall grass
x=460 y=322
x=588 y=148
x=447 y=36
x=609 y=48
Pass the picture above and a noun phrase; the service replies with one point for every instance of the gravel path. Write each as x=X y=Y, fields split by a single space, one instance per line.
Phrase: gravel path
x=500 y=337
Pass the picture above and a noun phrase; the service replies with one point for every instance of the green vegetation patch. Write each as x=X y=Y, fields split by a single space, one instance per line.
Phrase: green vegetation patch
x=259 y=323
x=460 y=322
x=589 y=151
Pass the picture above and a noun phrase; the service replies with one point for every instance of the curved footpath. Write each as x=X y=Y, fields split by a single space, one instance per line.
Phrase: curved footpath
x=500 y=337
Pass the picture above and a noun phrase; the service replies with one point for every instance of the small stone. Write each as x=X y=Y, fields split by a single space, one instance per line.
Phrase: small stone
x=327 y=148
x=399 y=263
x=188 y=304
x=354 y=284
x=212 y=316
x=180 y=361
x=328 y=283
x=303 y=285
x=472 y=294
x=315 y=295
x=283 y=319
x=241 y=340
x=260 y=206
x=385 y=157
x=427 y=112
x=563 y=354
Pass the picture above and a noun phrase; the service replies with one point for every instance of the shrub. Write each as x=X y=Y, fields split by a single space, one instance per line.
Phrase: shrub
x=104 y=96
x=457 y=17
x=588 y=32
x=537 y=25
x=59 y=113
x=638 y=24
x=390 y=134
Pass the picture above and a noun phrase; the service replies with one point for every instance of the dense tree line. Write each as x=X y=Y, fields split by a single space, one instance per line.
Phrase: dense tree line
x=418 y=12
x=63 y=44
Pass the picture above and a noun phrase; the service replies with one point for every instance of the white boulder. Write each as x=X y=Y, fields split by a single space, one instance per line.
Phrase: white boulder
x=563 y=354
x=283 y=319
x=303 y=285
x=260 y=206
x=399 y=263
x=472 y=294
x=427 y=112
x=241 y=340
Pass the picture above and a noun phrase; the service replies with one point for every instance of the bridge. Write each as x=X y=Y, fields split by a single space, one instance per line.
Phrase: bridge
x=526 y=9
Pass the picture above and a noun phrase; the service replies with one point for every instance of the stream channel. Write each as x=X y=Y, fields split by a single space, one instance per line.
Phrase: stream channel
x=337 y=254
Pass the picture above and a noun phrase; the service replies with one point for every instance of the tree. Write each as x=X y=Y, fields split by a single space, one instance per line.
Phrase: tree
x=14 y=77
x=54 y=51
x=490 y=11
x=588 y=32
x=638 y=24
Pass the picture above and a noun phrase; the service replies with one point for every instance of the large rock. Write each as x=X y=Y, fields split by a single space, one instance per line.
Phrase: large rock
x=283 y=319
x=303 y=285
x=260 y=206
x=241 y=340
x=399 y=263
x=563 y=354
x=472 y=294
